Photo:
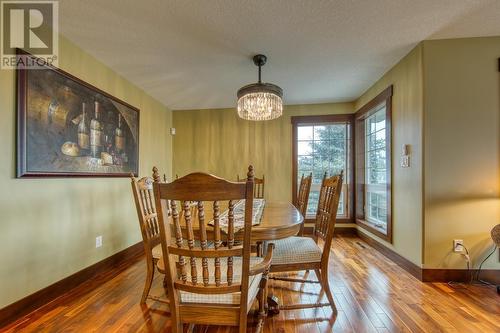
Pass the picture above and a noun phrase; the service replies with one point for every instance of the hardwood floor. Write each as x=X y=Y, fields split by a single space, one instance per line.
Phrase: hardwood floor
x=371 y=292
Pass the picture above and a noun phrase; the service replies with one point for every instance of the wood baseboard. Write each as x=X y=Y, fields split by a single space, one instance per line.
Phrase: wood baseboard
x=347 y=231
x=431 y=275
x=31 y=302
x=395 y=257
x=459 y=275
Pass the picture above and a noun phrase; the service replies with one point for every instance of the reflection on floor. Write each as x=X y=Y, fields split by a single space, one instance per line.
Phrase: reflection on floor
x=371 y=292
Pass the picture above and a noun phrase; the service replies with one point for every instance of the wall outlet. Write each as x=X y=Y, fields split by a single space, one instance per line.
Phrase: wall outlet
x=172 y=130
x=457 y=245
x=98 y=241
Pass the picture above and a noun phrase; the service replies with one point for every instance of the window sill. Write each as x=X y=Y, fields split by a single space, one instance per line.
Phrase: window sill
x=339 y=220
x=374 y=230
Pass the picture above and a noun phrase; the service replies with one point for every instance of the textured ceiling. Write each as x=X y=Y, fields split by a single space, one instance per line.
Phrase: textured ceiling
x=196 y=54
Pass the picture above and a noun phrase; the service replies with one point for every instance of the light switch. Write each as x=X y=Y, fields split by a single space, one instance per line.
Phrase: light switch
x=405 y=156
x=405 y=161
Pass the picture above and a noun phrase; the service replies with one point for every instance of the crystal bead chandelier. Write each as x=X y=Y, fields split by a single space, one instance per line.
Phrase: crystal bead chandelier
x=260 y=101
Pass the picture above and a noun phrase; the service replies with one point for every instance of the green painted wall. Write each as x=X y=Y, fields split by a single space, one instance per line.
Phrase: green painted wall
x=219 y=142
x=48 y=226
x=407 y=128
x=445 y=105
x=462 y=149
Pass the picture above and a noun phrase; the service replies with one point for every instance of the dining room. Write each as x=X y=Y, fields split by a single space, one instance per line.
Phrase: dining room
x=250 y=166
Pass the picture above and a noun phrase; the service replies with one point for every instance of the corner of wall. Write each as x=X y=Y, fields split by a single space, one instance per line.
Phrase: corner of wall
x=407 y=119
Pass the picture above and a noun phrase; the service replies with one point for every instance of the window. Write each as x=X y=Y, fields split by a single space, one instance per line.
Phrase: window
x=375 y=171
x=323 y=144
x=373 y=165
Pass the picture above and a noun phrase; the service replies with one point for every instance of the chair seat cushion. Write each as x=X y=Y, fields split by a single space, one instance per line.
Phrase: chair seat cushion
x=231 y=298
x=156 y=251
x=295 y=250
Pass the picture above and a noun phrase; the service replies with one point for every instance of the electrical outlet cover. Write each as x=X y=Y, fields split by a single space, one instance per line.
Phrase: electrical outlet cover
x=98 y=241
x=457 y=245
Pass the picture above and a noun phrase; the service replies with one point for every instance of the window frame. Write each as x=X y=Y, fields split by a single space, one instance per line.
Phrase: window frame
x=317 y=120
x=360 y=154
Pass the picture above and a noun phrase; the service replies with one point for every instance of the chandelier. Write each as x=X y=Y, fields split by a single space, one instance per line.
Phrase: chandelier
x=260 y=101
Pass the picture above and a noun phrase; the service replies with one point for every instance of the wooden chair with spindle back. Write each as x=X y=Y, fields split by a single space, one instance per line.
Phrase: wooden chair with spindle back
x=210 y=283
x=193 y=205
x=303 y=198
x=303 y=253
x=148 y=222
x=259 y=183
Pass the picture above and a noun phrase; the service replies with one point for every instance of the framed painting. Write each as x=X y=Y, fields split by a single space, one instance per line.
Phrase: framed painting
x=67 y=127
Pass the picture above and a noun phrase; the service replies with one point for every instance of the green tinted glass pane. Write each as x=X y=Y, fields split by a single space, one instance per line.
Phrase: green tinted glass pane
x=321 y=133
x=312 y=204
x=370 y=122
x=380 y=139
x=340 y=210
x=318 y=175
x=380 y=119
x=326 y=148
x=305 y=163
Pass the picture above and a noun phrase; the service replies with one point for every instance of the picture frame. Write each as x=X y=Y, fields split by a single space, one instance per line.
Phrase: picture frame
x=69 y=128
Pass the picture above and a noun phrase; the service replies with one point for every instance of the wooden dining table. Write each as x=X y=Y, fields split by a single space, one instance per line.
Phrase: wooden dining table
x=279 y=220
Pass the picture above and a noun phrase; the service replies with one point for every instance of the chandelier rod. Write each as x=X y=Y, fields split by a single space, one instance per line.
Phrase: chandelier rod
x=260 y=60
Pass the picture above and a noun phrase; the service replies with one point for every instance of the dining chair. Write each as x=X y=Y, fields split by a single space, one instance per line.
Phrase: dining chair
x=148 y=222
x=303 y=198
x=259 y=183
x=210 y=283
x=258 y=193
x=304 y=253
x=194 y=210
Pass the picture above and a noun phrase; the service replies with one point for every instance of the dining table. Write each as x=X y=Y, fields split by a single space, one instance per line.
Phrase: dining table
x=279 y=220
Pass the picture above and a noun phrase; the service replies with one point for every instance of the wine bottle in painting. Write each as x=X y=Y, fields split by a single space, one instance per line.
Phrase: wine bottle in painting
x=96 y=133
x=109 y=125
x=83 y=130
x=119 y=138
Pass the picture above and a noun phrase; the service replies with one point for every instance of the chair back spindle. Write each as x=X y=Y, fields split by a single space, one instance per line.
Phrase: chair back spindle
x=303 y=198
x=326 y=214
x=198 y=268
x=259 y=184
x=146 y=211
x=301 y=253
x=145 y=204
